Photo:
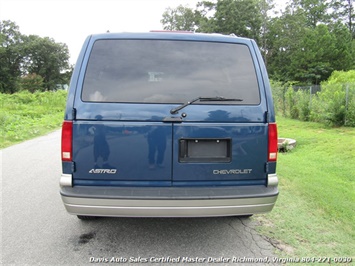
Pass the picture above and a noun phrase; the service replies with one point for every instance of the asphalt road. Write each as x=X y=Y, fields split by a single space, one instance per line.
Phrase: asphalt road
x=37 y=230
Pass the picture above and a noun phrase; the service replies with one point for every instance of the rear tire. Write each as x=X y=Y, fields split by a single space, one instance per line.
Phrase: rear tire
x=86 y=218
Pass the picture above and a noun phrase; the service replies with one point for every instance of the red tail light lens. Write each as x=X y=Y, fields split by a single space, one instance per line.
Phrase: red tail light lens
x=67 y=136
x=272 y=151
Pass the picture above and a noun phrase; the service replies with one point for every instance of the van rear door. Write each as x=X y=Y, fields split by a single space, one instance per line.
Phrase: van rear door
x=219 y=152
x=110 y=152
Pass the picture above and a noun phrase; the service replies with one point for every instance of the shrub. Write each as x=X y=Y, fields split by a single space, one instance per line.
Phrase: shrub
x=23 y=97
x=303 y=104
x=338 y=97
x=291 y=102
x=32 y=83
x=278 y=95
x=24 y=115
x=334 y=105
x=350 y=110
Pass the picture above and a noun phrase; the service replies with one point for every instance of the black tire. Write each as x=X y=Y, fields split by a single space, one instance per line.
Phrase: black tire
x=86 y=218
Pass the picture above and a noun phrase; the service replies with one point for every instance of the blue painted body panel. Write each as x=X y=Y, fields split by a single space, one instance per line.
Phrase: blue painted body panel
x=126 y=147
x=248 y=151
x=146 y=153
x=266 y=84
x=140 y=149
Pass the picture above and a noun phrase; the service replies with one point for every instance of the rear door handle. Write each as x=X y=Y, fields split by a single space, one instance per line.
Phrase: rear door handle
x=172 y=119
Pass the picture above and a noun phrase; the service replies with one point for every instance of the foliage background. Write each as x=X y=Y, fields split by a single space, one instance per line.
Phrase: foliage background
x=304 y=43
x=332 y=103
x=31 y=62
x=24 y=115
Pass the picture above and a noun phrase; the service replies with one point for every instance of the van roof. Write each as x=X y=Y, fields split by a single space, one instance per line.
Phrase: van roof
x=172 y=35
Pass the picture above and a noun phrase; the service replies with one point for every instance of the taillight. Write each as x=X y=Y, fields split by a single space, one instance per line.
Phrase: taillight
x=272 y=149
x=67 y=135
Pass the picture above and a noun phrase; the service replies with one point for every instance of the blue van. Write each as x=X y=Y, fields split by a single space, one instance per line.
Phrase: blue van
x=169 y=124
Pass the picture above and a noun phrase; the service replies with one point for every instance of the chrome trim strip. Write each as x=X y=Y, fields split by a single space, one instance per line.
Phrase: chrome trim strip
x=65 y=180
x=168 y=208
x=272 y=180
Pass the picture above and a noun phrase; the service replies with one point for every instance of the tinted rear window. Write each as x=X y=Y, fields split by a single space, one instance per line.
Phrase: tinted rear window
x=164 y=71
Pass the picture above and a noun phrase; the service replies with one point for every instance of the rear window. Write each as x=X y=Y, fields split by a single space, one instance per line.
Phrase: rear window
x=164 y=71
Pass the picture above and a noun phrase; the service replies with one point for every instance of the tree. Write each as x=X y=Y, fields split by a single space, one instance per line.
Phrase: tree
x=22 y=55
x=314 y=60
x=305 y=54
x=286 y=35
x=32 y=83
x=303 y=44
x=344 y=11
x=46 y=58
x=179 y=18
x=316 y=11
x=11 y=54
x=344 y=54
x=204 y=15
x=241 y=17
x=265 y=7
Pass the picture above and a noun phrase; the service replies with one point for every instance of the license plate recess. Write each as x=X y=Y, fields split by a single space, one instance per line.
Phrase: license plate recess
x=197 y=150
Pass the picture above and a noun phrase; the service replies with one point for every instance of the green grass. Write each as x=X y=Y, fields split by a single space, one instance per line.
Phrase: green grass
x=314 y=215
x=25 y=115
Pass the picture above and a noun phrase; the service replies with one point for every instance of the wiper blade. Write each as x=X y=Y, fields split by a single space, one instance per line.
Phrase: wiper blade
x=204 y=99
x=219 y=98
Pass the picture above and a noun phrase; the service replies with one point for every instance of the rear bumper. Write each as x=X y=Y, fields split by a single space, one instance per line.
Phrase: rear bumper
x=168 y=202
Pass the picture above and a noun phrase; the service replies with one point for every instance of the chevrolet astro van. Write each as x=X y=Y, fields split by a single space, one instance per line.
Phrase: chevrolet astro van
x=169 y=124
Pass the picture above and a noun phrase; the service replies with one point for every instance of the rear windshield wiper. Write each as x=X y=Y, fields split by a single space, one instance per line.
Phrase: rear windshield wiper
x=204 y=99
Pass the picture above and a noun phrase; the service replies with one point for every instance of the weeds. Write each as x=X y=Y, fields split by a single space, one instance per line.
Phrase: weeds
x=25 y=115
x=333 y=105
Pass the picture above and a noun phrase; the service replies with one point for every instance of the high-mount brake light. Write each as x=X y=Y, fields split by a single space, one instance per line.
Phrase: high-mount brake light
x=173 y=31
x=67 y=136
x=272 y=149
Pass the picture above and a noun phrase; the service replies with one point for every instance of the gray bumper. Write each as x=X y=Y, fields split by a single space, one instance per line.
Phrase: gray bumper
x=168 y=202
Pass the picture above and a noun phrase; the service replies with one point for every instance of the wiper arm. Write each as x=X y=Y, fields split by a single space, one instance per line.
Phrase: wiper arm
x=177 y=109
x=204 y=99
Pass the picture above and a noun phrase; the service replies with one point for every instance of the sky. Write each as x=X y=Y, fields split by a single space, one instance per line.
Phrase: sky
x=71 y=21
